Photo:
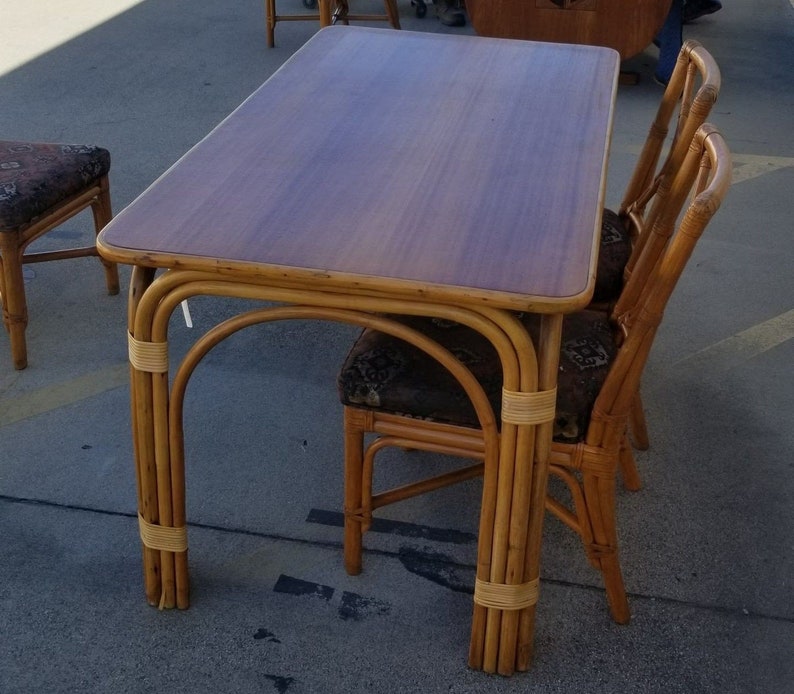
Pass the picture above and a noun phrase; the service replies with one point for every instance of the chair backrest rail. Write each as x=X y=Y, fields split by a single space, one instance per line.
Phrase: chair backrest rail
x=706 y=171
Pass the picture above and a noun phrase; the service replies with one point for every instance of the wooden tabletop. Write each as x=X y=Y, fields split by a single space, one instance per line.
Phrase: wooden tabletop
x=447 y=165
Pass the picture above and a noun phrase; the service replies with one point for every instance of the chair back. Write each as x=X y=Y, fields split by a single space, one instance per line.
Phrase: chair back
x=706 y=174
x=692 y=91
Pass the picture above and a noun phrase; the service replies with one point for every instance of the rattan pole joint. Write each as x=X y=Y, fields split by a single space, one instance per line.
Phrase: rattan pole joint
x=9 y=317
x=596 y=460
x=600 y=551
x=161 y=537
x=536 y=407
x=358 y=514
x=650 y=318
x=503 y=596
x=151 y=357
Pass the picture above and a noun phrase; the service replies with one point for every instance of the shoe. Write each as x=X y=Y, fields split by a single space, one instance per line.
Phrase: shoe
x=693 y=9
x=451 y=17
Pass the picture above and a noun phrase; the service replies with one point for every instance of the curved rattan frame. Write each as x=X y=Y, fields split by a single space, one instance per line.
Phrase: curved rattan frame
x=693 y=90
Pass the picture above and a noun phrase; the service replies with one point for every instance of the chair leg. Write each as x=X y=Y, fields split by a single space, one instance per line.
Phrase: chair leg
x=638 y=425
x=393 y=13
x=12 y=286
x=103 y=213
x=354 y=470
x=599 y=493
x=270 y=18
x=628 y=467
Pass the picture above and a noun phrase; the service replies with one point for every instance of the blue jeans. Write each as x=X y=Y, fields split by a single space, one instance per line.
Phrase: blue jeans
x=670 y=39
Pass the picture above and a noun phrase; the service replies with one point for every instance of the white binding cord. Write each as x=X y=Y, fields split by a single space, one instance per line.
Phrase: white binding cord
x=186 y=314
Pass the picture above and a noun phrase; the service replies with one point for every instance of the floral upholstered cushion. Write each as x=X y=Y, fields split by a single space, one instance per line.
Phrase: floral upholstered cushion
x=36 y=176
x=384 y=373
x=613 y=254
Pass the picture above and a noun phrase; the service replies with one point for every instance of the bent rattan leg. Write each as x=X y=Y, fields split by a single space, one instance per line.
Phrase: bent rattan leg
x=628 y=467
x=599 y=491
x=638 y=425
x=103 y=212
x=270 y=20
x=393 y=13
x=354 y=467
x=12 y=287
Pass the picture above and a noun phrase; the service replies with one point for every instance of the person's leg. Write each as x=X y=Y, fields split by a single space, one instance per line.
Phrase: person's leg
x=669 y=40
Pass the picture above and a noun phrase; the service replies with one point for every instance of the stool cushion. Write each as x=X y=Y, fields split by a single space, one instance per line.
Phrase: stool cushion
x=613 y=254
x=384 y=373
x=35 y=177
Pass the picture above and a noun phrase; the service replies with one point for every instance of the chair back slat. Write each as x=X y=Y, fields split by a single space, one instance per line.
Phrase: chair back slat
x=692 y=90
x=706 y=171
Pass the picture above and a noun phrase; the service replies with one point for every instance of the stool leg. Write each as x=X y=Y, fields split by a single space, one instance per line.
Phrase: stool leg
x=12 y=285
x=638 y=424
x=354 y=457
x=103 y=213
x=600 y=499
x=628 y=467
x=393 y=13
x=270 y=18
x=326 y=12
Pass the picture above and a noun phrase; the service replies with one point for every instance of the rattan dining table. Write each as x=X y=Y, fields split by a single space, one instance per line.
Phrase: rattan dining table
x=383 y=172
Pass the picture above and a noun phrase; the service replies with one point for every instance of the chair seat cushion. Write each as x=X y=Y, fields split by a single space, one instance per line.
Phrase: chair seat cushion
x=384 y=373
x=35 y=177
x=613 y=254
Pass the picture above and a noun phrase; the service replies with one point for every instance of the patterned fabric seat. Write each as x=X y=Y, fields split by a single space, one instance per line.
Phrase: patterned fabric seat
x=613 y=255
x=382 y=372
x=42 y=185
x=35 y=177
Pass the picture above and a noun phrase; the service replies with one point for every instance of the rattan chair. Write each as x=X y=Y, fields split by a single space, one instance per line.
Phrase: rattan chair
x=42 y=186
x=340 y=12
x=403 y=397
x=686 y=103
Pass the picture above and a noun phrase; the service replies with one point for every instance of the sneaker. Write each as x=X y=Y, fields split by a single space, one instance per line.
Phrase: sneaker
x=452 y=17
x=661 y=81
x=693 y=9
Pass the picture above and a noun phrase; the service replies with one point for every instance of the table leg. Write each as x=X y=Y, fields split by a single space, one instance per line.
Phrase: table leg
x=548 y=364
x=506 y=590
x=143 y=440
x=325 y=13
x=165 y=542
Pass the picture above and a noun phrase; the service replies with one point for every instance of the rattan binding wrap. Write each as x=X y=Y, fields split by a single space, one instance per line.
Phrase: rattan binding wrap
x=506 y=597
x=160 y=537
x=151 y=357
x=529 y=408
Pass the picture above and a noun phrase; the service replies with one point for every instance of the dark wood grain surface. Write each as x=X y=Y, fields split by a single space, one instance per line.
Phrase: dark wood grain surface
x=379 y=156
x=628 y=26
